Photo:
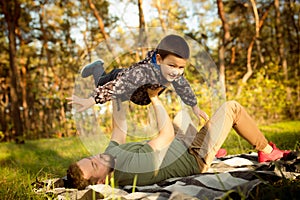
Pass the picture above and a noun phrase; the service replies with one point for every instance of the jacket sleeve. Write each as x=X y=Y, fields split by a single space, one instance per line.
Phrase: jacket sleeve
x=184 y=90
x=125 y=84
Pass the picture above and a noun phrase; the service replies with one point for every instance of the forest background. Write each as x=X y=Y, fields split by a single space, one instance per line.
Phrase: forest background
x=255 y=45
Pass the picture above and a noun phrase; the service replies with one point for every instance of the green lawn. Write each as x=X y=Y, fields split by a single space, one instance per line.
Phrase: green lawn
x=49 y=158
x=286 y=135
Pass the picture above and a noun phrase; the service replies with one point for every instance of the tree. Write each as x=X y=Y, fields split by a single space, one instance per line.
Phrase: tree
x=279 y=37
x=171 y=15
x=255 y=40
x=143 y=28
x=44 y=58
x=225 y=40
x=12 y=11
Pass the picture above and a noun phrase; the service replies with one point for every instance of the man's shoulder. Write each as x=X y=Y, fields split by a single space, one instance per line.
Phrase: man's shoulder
x=113 y=146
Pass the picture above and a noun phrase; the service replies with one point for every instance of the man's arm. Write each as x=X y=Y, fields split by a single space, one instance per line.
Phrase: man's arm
x=166 y=130
x=119 y=122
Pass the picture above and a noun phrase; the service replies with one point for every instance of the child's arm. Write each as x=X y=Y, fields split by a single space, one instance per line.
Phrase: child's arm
x=200 y=113
x=187 y=95
x=81 y=104
x=184 y=90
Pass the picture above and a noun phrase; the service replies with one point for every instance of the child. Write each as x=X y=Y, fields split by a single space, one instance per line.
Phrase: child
x=162 y=67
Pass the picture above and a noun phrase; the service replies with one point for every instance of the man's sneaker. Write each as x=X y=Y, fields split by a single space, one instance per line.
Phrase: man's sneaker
x=221 y=153
x=274 y=155
x=94 y=68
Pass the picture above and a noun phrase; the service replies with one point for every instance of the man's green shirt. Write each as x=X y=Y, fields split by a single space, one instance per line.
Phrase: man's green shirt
x=139 y=159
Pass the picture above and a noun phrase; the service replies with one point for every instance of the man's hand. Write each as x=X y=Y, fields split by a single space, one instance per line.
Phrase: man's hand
x=81 y=104
x=200 y=113
x=153 y=93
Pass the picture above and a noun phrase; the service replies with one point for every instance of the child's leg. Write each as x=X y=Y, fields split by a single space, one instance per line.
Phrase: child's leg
x=211 y=137
x=112 y=75
x=95 y=68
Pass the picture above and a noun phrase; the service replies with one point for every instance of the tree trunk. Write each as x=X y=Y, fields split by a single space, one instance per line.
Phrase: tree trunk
x=11 y=12
x=100 y=24
x=103 y=32
x=258 y=24
x=293 y=15
x=4 y=103
x=280 y=40
x=143 y=40
x=257 y=42
x=25 y=115
x=160 y=16
x=225 y=40
x=249 y=72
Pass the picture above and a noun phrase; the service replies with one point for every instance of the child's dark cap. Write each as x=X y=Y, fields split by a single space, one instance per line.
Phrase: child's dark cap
x=174 y=44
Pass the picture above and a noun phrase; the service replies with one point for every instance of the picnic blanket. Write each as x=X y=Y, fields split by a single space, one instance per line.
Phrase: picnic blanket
x=233 y=176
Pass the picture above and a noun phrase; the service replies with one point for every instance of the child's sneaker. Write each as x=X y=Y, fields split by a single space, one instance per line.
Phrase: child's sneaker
x=274 y=155
x=221 y=153
x=94 y=68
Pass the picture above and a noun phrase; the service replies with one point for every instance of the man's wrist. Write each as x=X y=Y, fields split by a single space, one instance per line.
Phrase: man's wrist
x=155 y=99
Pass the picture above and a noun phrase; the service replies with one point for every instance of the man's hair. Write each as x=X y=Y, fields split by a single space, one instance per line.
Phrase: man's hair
x=173 y=44
x=75 y=175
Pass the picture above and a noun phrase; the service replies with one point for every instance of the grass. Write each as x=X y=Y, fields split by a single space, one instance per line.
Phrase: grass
x=45 y=158
x=49 y=158
x=286 y=135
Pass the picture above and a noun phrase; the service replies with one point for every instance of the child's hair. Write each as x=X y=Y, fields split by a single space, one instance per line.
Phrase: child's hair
x=173 y=44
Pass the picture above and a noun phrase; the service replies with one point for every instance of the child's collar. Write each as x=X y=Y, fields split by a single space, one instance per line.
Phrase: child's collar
x=153 y=60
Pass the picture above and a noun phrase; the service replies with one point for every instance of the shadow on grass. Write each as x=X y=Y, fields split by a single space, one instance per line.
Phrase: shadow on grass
x=31 y=157
x=21 y=164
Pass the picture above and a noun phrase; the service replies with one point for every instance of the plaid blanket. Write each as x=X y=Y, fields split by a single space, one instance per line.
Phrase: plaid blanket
x=234 y=176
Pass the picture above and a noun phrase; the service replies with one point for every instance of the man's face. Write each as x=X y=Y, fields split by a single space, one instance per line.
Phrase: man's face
x=95 y=168
x=171 y=67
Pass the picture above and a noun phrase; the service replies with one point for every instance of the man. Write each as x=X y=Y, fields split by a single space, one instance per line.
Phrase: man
x=166 y=155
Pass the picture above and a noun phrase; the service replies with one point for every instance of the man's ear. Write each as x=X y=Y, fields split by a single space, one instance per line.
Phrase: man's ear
x=101 y=181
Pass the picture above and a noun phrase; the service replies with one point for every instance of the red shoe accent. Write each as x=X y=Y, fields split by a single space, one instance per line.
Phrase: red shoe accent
x=274 y=155
x=221 y=153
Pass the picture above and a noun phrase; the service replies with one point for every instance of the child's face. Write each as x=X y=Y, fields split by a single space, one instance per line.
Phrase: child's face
x=171 y=67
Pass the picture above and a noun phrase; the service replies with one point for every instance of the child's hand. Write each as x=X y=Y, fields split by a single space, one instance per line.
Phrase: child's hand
x=200 y=113
x=81 y=103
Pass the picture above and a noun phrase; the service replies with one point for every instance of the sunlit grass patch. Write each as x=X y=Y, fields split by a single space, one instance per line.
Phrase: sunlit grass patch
x=286 y=135
x=21 y=164
x=42 y=159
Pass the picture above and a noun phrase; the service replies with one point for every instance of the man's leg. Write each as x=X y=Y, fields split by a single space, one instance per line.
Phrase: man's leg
x=211 y=137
